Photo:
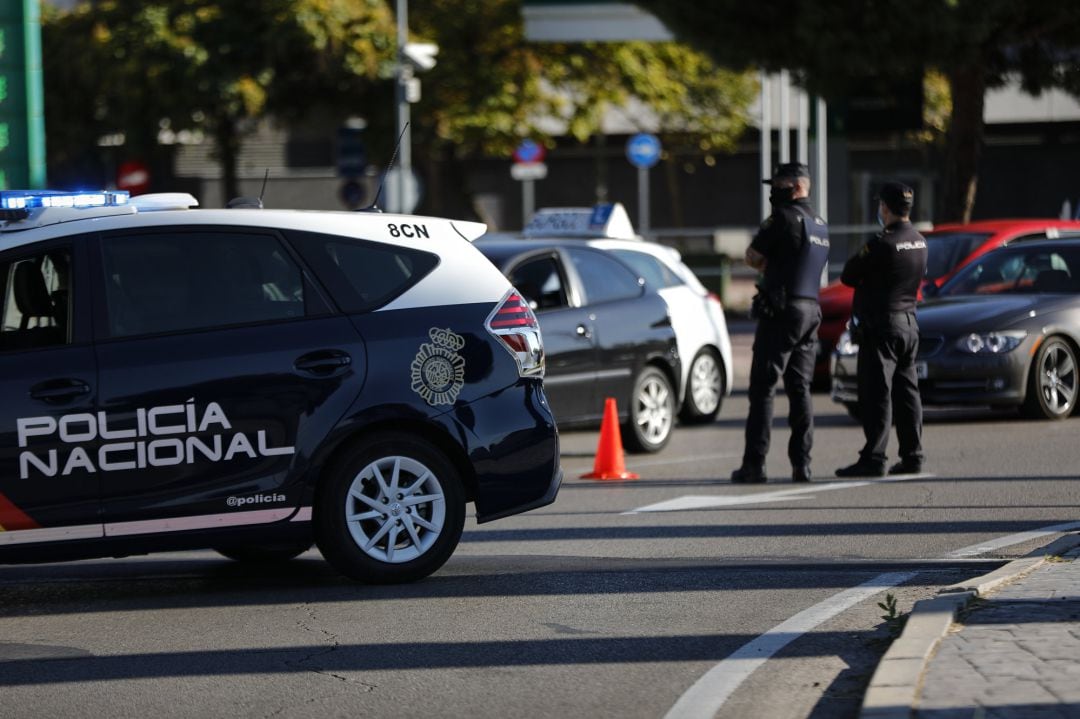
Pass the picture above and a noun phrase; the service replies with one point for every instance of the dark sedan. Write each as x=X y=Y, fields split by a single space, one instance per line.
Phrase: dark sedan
x=606 y=334
x=1003 y=332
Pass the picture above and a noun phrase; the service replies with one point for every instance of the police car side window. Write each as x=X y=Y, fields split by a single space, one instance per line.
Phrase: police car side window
x=36 y=296
x=541 y=283
x=604 y=279
x=361 y=276
x=172 y=282
x=655 y=272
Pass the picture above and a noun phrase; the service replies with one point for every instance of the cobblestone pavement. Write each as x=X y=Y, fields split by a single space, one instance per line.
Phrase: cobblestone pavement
x=1014 y=654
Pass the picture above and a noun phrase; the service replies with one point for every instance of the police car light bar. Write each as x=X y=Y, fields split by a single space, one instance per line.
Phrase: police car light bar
x=607 y=220
x=33 y=199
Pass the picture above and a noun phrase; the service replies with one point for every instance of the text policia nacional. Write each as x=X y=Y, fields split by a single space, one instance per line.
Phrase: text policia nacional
x=151 y=442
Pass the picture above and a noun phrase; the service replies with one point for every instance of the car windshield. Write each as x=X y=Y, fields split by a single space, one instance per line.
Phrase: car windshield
x=1031 y=270
x=945 y=250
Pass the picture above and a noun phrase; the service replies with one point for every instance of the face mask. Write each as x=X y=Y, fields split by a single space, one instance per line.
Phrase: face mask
x=781 y=194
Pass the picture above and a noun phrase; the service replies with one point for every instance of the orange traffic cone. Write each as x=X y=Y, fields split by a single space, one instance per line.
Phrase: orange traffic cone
x=609 y=462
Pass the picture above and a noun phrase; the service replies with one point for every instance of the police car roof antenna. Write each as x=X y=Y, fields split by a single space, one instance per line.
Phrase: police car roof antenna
x=374 y=206
x=249 y=203
x=263 y=190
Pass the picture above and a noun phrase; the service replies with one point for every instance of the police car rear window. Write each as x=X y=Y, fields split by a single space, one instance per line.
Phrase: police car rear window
x=361 y=276
x=171 y=282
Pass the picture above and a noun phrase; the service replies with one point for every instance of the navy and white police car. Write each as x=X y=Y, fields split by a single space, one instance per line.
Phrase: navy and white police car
x=255 y=381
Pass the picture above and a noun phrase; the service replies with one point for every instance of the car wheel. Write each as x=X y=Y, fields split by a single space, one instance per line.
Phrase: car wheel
x=1052 y=382
x=265 y=553
x=391 y=511
x=652 y=412
x=704 y=389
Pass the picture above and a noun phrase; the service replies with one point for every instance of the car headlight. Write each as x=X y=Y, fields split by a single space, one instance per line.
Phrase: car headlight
x=844 y=346
x=992 y=342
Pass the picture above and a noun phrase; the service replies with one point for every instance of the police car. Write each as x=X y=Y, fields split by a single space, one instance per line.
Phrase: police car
x=255 y=381
x=696 y=314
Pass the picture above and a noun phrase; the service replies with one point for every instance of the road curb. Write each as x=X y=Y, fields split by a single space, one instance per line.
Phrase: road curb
x=895 y=687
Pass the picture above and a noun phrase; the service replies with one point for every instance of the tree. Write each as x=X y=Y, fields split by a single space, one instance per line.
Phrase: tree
x=491 y=87
x=132 y=65
x=976 y=44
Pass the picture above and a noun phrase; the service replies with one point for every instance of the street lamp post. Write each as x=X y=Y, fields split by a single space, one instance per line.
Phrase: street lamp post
x=404 y=75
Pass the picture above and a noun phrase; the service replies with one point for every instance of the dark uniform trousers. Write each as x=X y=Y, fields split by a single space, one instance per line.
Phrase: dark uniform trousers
x=888 y=384
x=785 y=345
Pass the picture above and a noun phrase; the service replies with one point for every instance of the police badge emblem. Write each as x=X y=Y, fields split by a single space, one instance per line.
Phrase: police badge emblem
x=438 y=371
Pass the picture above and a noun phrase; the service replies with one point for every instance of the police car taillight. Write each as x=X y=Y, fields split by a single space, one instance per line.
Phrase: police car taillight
x=513 y=323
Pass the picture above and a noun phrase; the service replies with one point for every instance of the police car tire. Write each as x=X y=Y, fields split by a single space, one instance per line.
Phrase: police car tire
x=691 y=413
x=1054 y=350
x=338 y=542
x=651 y=381
x=265 y=553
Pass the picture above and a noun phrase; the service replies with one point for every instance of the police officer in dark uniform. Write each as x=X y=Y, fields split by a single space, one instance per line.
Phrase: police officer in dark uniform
x=886 y=274
x=791 y=249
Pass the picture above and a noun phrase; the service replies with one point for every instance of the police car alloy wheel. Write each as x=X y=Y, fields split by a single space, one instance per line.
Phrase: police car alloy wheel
x=705 y=388
x=391 y=511
x=1052 y=383
x=652 y=412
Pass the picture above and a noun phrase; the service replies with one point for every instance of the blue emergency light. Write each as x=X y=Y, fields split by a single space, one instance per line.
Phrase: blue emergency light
x=33 y=199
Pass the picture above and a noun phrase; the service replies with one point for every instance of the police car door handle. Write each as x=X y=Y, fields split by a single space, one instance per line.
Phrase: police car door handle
x=59 y=391
x=323 y=362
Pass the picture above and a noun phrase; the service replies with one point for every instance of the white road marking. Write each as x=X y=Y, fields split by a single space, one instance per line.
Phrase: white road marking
x=1008 y=541
x=714 y=688
x=697 y=501
x=708 y=693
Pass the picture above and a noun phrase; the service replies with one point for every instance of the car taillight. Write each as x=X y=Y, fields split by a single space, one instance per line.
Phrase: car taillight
x=513 y=323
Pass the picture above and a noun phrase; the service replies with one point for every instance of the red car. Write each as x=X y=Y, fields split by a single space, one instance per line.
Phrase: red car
x=951 y=247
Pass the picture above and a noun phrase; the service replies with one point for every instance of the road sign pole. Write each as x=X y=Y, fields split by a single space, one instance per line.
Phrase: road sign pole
x=528 y=200
x=643 y=151
x=643 y=200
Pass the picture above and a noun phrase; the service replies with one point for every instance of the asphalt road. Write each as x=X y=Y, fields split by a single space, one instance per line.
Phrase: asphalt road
x=622 y=599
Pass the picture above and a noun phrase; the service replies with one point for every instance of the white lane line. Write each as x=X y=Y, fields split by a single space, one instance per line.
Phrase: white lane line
x=709 y=693
x=716 y=686
x=697 y=501
x=1008 y=541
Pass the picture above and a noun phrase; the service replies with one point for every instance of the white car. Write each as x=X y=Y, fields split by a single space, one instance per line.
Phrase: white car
x=696 y=314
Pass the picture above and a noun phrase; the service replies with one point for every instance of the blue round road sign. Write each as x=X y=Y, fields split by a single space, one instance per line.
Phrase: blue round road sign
x=643 y=150
x=529 y=151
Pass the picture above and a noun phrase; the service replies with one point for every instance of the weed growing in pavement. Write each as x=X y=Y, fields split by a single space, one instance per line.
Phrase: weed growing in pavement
x=893 y=619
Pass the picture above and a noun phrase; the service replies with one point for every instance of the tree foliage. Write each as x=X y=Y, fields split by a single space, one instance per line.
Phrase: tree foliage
x=132 y=65
x=975 y=44
x=491 y=87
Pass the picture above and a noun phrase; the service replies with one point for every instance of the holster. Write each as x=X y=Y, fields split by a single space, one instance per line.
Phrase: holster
x=768 y=302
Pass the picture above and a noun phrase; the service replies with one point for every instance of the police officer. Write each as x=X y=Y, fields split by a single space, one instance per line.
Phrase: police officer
x=791 y=249
x=886 y=274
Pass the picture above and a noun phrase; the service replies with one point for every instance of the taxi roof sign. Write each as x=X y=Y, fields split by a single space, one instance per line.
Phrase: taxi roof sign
x=607 y=219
